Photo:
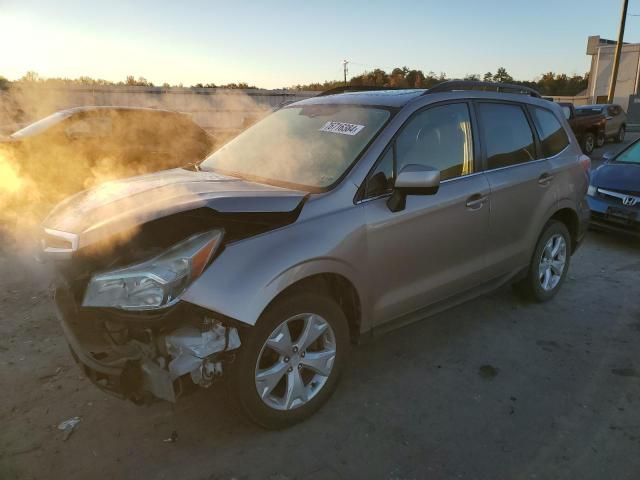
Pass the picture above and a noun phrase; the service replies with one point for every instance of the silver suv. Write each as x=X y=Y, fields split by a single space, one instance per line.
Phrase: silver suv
x=333 y=219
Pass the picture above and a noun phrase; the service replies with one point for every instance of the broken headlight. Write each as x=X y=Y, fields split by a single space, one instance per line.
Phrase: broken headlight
x=156 y=283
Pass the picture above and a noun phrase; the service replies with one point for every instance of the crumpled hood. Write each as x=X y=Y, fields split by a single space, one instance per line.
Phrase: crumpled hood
x=120 y=205
x=617 y=176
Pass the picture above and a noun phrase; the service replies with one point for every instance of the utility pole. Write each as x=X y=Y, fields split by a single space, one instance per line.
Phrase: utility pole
x=345 y=67
x=616 y=58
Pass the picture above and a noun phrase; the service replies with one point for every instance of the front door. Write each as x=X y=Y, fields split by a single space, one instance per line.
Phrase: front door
x=435 y=247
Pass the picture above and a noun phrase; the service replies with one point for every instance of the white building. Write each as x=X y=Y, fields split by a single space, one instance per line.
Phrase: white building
x=602 y=53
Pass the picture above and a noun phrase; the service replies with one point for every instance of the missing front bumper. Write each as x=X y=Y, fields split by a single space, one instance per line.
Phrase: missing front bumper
x=139 y=370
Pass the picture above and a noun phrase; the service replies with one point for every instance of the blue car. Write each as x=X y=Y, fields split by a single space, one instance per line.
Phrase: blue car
x=614 y=192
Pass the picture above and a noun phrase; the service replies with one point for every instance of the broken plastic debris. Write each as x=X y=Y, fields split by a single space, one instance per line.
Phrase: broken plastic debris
x=68 y=426
x=172 y=438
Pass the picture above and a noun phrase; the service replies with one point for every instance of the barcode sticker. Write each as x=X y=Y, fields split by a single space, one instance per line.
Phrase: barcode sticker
x=342 y=128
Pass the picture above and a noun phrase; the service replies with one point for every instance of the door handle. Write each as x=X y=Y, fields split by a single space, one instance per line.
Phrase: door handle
x=545 y=179
x=476 y=201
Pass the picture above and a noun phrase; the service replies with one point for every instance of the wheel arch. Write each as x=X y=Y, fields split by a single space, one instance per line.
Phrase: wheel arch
x=569 y=217
x=339 y=288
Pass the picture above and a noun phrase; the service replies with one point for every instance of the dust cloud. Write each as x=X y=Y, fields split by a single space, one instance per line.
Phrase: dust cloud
x=41 y=167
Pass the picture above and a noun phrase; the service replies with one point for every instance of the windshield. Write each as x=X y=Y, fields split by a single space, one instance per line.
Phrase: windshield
x=630 y=155
x=41 y=125
x=584 y=111
x=309 y=147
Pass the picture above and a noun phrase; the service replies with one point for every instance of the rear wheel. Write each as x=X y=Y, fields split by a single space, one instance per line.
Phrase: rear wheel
x=588 y=143
x=600 y=140
x=549 y=264
x=290 y=362
x=621 y=133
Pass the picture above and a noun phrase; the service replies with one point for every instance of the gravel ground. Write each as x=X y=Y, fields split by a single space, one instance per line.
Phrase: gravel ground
x=493 y=389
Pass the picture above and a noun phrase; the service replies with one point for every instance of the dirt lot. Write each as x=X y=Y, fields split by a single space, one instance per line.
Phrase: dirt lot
x=493 y=389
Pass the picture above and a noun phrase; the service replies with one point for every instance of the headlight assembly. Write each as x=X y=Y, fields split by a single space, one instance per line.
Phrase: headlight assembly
x=156 y=283
x=591 y=191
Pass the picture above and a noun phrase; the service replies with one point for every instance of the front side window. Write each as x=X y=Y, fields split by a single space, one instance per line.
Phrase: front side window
x=88 y=126
x=309 y=146
x=439 y=137
x=507 y=136
x=553 y=138
x=381 y=179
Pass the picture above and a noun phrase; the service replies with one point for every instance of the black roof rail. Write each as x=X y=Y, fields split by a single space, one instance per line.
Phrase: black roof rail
x=355 y=88
x=453 y=85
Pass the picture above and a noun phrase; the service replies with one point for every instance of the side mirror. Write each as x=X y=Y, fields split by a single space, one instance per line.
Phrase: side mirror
x=413 y=180
x=608 y=156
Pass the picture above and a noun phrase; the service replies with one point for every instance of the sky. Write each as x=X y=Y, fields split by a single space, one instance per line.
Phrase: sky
x=279 y=43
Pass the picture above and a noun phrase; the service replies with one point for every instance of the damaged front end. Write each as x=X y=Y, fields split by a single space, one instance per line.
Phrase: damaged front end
x=150 y=357
x=122 y=316
x=125 y=254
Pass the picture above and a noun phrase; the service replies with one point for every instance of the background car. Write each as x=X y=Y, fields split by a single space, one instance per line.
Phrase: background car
x=588 y=127
x=615 y=121
x=78 y=148
x=614 y=192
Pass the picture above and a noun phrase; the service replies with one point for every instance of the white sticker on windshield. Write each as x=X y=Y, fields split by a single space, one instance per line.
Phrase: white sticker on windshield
x=342 y=128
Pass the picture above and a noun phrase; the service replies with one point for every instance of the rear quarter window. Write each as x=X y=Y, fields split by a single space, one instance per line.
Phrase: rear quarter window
x=553 y=138
x=585 y=111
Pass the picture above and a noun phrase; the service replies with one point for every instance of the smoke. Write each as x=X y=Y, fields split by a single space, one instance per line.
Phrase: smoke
x=87 y=151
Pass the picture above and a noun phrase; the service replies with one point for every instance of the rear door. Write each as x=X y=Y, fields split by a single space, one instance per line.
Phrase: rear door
x=521 y=184
x=436 y=246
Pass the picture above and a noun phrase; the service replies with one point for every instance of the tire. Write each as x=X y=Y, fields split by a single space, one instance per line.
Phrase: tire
x=255 y=357
x=588 y=143
x=601 y=139
x=535 y=286
x=620 y=135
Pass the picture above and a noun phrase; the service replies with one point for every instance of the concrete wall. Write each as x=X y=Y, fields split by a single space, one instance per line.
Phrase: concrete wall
x=215 y=109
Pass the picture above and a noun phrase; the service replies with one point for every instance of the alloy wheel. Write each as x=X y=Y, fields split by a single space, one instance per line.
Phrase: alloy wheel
x=589 y=144
x=295 y=361
x=552 y=262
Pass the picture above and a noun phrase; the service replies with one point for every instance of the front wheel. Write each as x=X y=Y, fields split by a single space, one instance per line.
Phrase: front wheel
x=290 y=362
x=588 y=143
x=549 y=264
x=621 y=134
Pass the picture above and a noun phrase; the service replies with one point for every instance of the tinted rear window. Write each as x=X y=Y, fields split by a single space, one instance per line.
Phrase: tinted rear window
x=507 y=136
x=583 y=112
x=553 y=138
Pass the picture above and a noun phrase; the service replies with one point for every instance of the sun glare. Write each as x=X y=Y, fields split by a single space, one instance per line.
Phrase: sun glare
x=10 y=181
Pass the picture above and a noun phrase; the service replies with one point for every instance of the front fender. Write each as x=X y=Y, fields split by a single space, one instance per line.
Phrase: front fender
x=248 y=274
